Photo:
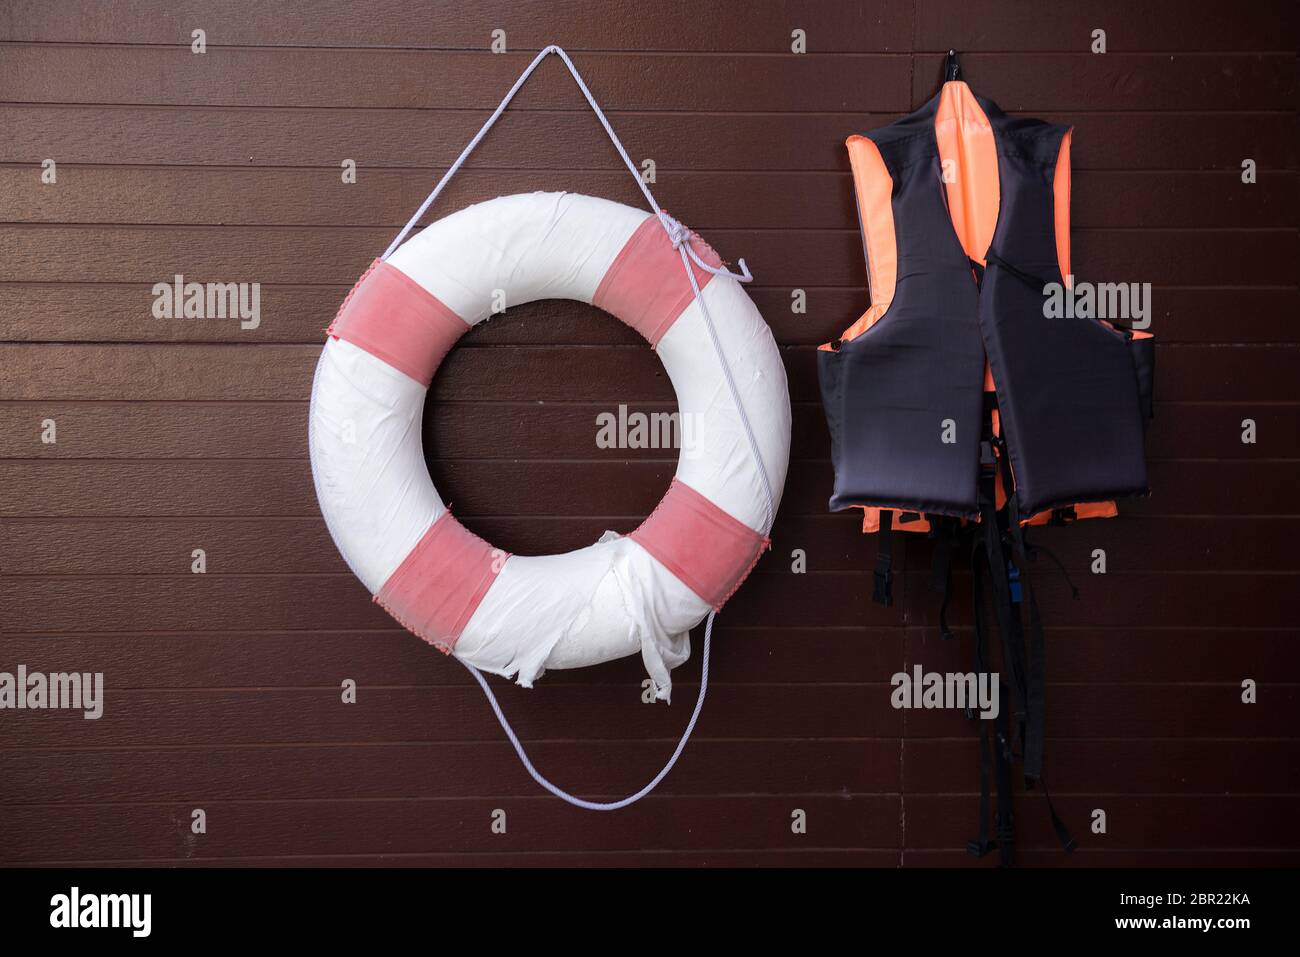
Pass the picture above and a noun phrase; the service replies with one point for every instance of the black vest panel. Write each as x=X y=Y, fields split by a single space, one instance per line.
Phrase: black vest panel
x=904 y=399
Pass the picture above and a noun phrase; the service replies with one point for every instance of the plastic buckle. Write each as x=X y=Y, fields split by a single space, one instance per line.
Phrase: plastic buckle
x=1064 y=516
x=1013 y=579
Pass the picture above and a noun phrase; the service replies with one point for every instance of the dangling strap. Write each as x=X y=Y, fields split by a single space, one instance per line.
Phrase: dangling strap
x=991 y=560
x=679 y=236
x=995 y=738
x=1033 y=678
x=982 y=843
x=1035 y=702
x=1005 y=822
x=1062 y=832
x=1007 y=614
x=946 y=532
x=1032 y=552
x=882 y=591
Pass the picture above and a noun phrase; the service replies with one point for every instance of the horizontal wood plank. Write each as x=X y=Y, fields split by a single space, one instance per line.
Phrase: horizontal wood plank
x=98 y=312
x=253 y=77
x=520 y=430
x=1164 y=821
x=572 y=141
x=1169 y=766
x=574 y=713
x=507 y=488
x=797 y=258
x=776 y=82
x=1144 y=711
x=1157 y=25
x=389 y=655
x=823 y=599
x=442 y=769
x=199 y=196
x=677 y=25
x=1118 y=80
x=438 y=826
x=147 y=545
x=1249 y=374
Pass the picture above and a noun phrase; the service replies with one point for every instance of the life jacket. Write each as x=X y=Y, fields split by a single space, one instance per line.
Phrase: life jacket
x=956 y=406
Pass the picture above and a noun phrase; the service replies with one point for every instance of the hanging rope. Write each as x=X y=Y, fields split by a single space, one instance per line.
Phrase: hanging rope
x=680 y=236
x=678 y=233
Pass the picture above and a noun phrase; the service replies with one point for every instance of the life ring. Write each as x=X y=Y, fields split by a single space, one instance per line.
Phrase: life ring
x=516 y=615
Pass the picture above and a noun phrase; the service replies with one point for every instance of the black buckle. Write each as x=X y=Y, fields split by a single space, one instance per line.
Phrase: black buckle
x=988 y=461
x=1063 y=516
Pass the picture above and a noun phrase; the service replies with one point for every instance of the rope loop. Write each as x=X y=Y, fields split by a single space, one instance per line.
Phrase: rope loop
x=680 y=236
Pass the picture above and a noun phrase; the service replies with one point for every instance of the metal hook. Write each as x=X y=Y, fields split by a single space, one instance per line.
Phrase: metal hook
x=951 y=67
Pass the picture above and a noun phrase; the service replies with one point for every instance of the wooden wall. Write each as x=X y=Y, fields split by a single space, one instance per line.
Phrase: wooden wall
x=223 y=689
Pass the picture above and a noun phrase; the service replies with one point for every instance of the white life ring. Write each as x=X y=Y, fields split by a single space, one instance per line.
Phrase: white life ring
x=517 y=615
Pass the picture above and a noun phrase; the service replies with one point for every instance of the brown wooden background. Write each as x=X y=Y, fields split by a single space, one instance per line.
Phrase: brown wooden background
x=223 y=689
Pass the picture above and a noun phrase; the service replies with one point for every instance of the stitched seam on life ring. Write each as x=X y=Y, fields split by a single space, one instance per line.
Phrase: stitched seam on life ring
x=329 y=330
x=655 y=510
x=764 y=545
x=442 y=646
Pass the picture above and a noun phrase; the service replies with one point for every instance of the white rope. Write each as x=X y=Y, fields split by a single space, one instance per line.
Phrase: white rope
x=680 y=236
x=654 y=782
x=678 y=233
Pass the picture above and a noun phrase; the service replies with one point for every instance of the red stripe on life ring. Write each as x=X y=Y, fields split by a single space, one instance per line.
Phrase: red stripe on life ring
x=710 y=552
x=438 y=586
x=395 y=319
x=646 y=286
